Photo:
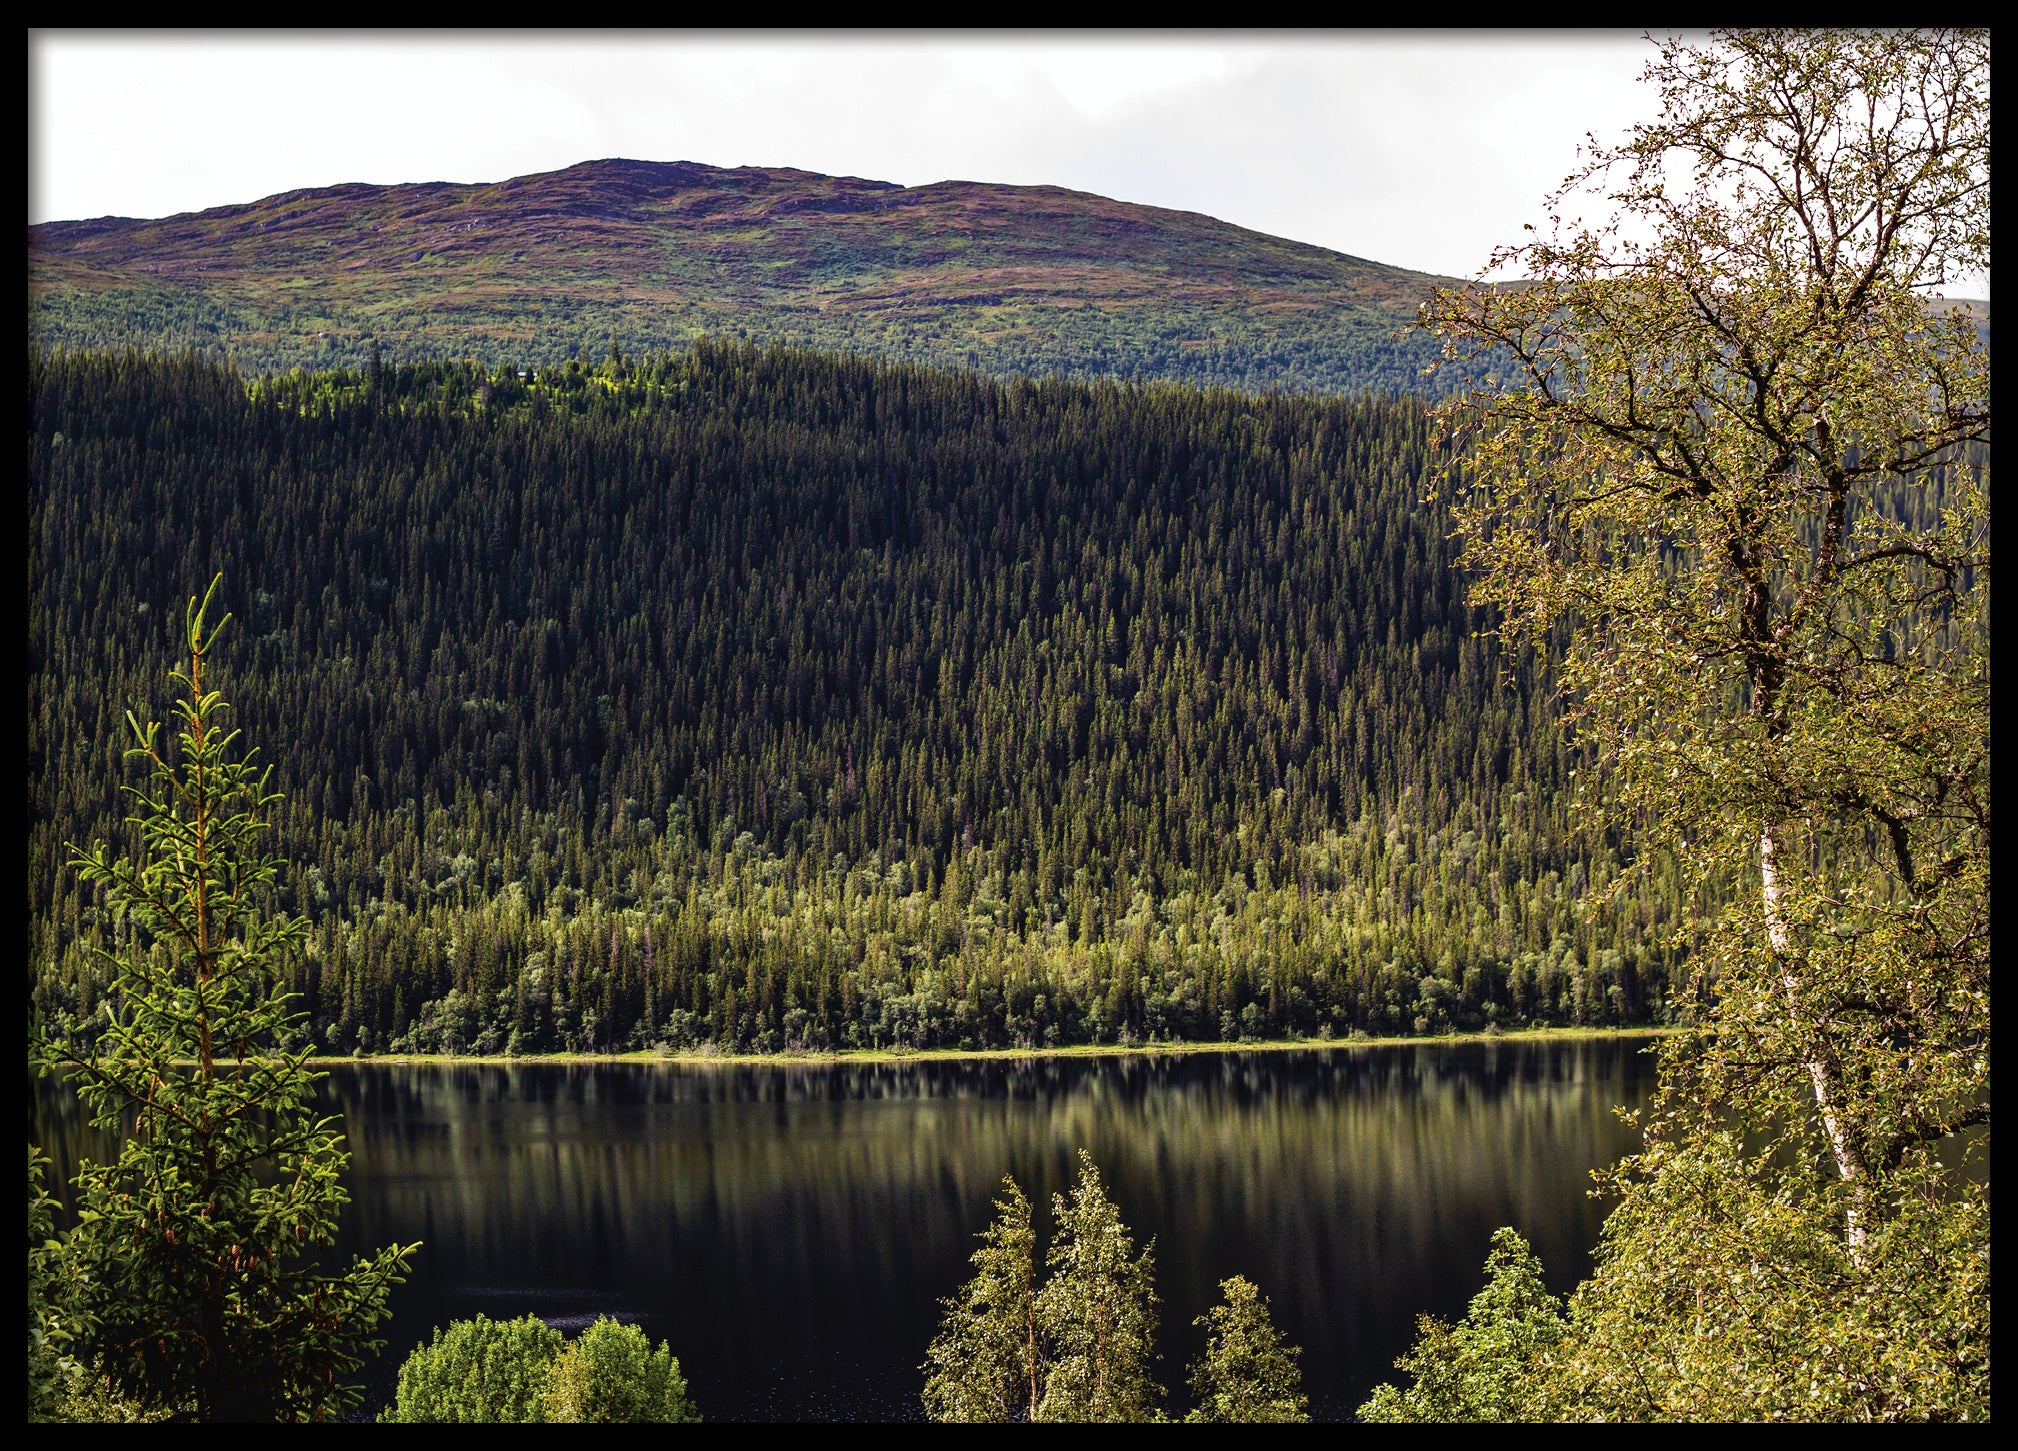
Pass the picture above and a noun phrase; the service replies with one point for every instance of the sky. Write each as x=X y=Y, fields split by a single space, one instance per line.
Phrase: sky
x=1424 y=150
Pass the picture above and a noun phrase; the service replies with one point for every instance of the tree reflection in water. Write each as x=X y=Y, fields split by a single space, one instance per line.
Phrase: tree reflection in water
x=790 y=1229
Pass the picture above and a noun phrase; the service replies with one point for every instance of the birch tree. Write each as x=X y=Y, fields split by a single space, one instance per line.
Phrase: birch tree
x=1246 y=1373
x=1080 y=1347
x=986 y=1363
x=1736 y=468
x=1096 y=1312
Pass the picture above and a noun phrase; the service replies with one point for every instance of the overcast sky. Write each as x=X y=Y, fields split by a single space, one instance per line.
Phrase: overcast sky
x=1419 y=149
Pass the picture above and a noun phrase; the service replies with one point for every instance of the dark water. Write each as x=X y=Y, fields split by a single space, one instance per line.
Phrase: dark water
x=791 y=1229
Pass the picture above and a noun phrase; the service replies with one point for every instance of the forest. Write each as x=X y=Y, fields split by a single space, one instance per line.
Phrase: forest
x=754 y=700
x=783 y=691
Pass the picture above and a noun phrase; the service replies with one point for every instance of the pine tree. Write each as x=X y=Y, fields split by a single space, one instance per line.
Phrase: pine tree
x=191 y=1258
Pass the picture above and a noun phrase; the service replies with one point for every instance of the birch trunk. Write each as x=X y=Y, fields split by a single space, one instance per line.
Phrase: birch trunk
x=1821 y=1074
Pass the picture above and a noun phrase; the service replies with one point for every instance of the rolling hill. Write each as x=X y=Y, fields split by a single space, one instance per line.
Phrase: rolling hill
x=1006 y=279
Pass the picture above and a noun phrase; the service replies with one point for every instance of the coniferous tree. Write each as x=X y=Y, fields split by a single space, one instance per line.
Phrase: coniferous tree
x=791 y=702
x=191 y=1261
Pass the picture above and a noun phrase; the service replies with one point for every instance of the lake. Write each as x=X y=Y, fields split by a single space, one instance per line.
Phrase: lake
x=791 y=1228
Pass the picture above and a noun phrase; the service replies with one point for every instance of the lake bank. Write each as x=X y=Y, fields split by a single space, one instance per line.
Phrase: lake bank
x=956 y=1055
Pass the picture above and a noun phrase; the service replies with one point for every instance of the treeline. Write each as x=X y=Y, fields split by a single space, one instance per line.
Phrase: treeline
x=1333 y=351
x=772 y=699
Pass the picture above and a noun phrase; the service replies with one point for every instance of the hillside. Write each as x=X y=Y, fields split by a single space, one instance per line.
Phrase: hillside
x=1006 y=279
x=772 y=698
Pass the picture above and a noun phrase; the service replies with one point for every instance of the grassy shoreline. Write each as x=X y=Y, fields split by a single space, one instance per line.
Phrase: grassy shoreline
x=951 y=1055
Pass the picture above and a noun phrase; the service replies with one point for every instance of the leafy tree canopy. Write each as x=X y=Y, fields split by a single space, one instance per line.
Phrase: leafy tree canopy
x=1246 y=1373
x=985 y=1364
x=611 y=1373
x=479 y=1370
x=1096 y=1311
x=1484 y=1368
x=1743 y=461
x=1080 y=1346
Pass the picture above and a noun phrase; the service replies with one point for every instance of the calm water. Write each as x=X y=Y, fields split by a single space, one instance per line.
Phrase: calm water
x=791 y=1229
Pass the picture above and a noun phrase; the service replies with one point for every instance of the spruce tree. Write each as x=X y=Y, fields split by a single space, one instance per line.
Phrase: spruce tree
x=192 y=1263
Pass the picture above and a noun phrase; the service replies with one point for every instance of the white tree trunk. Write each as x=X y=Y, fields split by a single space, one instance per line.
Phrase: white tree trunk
x=1849 y=1160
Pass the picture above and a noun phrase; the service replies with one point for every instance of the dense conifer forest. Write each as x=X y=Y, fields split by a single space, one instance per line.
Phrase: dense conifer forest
x=777 y=699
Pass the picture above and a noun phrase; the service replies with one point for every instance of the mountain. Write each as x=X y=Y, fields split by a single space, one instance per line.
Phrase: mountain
x=1006 y=279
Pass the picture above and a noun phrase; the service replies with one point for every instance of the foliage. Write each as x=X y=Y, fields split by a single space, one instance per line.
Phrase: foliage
x=50 y=1368
x=610 y=1373
x=985 y=1364
x=1487 y=1366
x=1745 y=462
x=1246 y=1373
x=771 y=700
x=1722 y=1297
x=1096 y=1312
x=185 y=1263
x=1077 y=1348
x=517 y=1371
x=61 y=1387
x=479 y=1370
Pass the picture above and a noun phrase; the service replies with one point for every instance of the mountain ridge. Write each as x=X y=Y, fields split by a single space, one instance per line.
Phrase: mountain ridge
x=1031 y=279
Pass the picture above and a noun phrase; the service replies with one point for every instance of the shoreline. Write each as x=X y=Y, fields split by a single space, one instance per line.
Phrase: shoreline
x=843 y=1056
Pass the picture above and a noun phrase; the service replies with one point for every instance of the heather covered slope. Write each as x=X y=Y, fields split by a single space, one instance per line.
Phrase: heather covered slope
x=1004 y=278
